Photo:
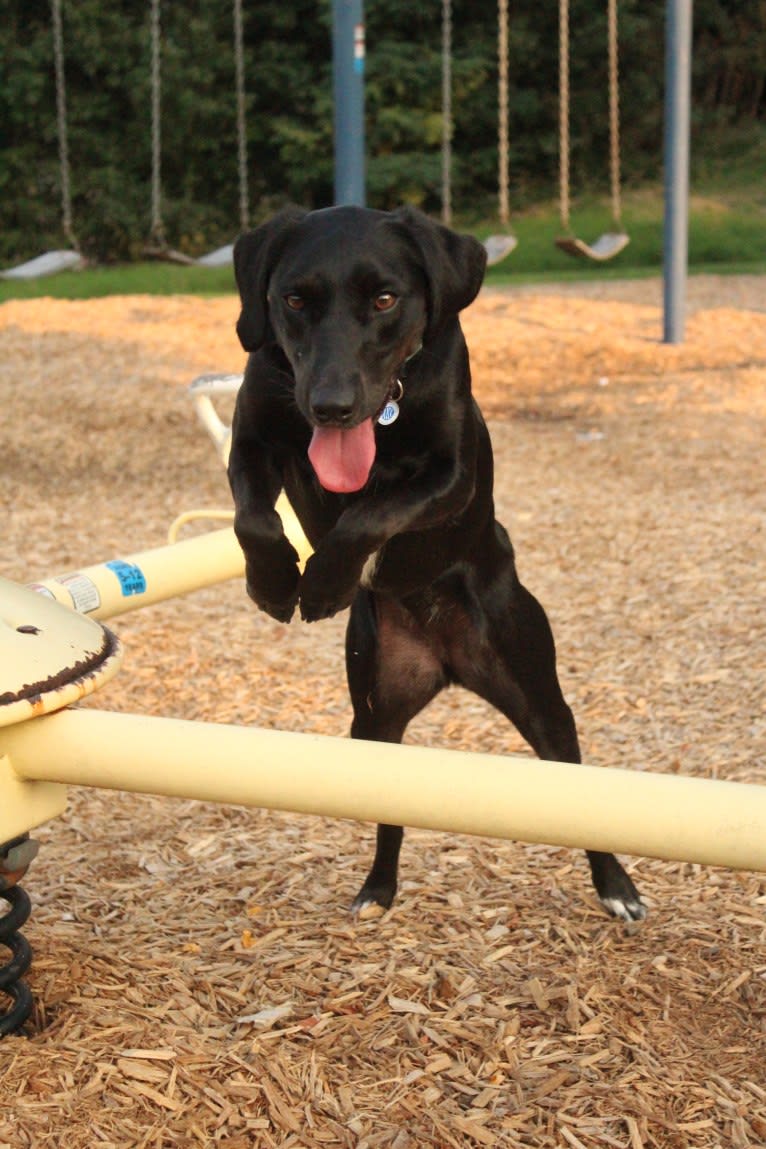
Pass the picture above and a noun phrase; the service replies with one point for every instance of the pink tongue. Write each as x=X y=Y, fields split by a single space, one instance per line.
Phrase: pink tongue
x=342 y=459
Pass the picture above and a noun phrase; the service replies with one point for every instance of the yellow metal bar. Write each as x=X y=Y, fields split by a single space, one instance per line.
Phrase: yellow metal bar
x=24 y=805
x=631 y=812
x=124 y=584
x=195 y=516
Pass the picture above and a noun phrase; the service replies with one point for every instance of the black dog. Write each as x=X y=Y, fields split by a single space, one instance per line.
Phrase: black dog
x=357 y=400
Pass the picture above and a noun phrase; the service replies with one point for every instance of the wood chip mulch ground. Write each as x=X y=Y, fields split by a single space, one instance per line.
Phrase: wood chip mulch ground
x=199 y=980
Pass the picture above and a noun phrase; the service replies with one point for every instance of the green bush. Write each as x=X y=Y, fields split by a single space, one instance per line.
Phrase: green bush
x=289 y=110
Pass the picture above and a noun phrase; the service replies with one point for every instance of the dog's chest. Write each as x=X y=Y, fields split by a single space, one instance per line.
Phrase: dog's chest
x=367 y=577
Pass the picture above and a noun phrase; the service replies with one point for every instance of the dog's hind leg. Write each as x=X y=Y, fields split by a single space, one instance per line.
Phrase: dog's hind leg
x=515 y=670
x=392 y=675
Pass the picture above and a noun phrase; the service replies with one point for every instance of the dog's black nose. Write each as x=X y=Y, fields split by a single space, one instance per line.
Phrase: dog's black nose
x=332 y=412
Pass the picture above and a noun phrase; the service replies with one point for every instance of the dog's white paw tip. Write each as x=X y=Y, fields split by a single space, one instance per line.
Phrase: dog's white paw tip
x=627 y=910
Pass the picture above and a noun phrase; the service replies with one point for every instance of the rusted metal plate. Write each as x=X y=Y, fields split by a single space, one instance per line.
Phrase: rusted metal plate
x=49 y=655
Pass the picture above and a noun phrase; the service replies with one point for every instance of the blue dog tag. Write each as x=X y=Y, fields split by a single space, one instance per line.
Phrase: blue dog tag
x=389 y=414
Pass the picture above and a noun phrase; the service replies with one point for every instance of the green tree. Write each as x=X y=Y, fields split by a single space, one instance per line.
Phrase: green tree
x=289 y=109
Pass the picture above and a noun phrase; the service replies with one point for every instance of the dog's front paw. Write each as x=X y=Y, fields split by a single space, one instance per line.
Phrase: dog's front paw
x=281 y=610
x=272 y=578
x=326 y=588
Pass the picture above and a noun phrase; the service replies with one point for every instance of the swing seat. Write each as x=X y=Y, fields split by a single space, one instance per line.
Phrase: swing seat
x=606 y=247
x=49 y=263
x=221 y=257
x=498 y=247
x=167 y=254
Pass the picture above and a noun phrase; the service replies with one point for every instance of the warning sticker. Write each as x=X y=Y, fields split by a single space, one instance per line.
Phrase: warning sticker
x=131 y=577
x=36 y=586
x=84 y=592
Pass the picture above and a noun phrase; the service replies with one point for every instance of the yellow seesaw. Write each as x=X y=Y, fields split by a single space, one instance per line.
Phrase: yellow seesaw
x=55 y=650
x=52 y=656
x=59 y=656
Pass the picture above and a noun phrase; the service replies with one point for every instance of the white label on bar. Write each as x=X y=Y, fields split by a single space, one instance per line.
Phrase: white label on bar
x=36 y=586
x=83 y=590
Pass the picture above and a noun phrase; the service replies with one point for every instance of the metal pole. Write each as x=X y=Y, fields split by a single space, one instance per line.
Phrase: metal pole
x=678 y=56
x=348 y=92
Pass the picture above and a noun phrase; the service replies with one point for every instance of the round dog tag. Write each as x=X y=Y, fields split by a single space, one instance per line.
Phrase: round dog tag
x=389 y=414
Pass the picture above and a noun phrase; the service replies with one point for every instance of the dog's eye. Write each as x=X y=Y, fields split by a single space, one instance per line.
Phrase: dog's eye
x=385 y=301
x=294 y=301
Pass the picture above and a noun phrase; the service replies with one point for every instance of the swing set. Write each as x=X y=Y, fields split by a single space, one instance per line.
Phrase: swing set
x=157 y=246
x=498 y=246
x=611 y=243
x=51 y=262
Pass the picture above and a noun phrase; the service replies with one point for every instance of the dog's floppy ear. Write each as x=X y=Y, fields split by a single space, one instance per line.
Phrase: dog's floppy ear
x=255 y=254
x=453 y=265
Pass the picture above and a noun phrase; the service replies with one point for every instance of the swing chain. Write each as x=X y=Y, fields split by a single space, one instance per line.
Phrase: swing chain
x=446 y=112
x=564 y=112
x=239 y=65
x=502 y=111
x=61 y=123
x=157 y=234
x=614 y=112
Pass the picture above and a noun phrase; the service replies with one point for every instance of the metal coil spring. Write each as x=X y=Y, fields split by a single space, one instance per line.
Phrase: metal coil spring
x=11 y=985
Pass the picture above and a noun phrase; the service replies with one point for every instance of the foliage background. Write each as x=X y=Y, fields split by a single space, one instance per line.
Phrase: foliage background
x=289 y=109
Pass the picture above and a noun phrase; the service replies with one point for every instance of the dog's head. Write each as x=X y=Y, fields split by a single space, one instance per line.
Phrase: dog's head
x=349 y=294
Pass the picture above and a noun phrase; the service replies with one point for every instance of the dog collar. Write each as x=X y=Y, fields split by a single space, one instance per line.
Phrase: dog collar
x=390 y=412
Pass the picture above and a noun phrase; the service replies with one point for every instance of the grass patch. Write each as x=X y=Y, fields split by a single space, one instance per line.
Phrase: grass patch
x=123 y=279
x=725 y=233
x=726 y=230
